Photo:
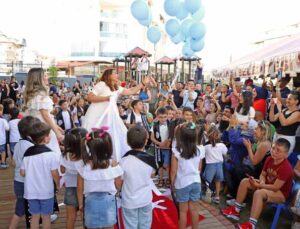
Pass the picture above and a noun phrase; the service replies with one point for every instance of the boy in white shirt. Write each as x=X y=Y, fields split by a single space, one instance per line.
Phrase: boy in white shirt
x=160 y=136
x=138 y=167
x=14 y=135
x=40 y=168
x=3 y=128
x=24 y=128
x=64 y=117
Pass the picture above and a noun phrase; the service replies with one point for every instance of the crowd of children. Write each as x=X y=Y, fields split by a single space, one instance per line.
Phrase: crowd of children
x=195 y=142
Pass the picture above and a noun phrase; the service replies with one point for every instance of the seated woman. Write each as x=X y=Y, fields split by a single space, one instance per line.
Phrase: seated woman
x=257 y=154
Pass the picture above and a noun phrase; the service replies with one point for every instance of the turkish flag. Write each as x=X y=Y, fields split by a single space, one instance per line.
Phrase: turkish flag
x=164 y=214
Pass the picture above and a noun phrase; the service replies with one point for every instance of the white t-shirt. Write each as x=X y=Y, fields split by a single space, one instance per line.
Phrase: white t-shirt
x=138 y=118
x=245 y=118
x=70 y=175
x=215 y=154
x=164 y=132
x=74 y=115
x=186 y=102
x=99 y=180
x=3 y=128
x=14 y=135
x=19 y=150
x=67 y=121
x=188 y=170
x=38 y=182
x=137 y=183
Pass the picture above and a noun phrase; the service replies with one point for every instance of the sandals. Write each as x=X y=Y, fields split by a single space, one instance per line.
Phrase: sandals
x=161 y=183
x=168 y=182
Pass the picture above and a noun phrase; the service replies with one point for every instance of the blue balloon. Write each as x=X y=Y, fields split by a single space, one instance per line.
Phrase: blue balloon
x=199 y=15
x=153 y=34
x=148 y=21
x=178 y=38
x=182 y=13
x=185 y=27
x=192 y=5
x=172 y=27
x=186 y=50
x=172 y=7
x=197 y=45
x=140 y=10
x=197 y=30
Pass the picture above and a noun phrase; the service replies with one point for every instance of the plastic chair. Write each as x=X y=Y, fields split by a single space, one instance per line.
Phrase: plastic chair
x=284 y=207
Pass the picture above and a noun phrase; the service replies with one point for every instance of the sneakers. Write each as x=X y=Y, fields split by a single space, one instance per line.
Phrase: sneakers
x=246 y=225
x=215 y=200
x=232 y=202
x=53 y=218
x=3 y=165
x=228 y=196
x=231 y=213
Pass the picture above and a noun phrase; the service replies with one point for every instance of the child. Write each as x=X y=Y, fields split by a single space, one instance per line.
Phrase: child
x=136 y=116
x=188 y=114
x=64 y=116
x=138 y=167
x=14 y=135
x=99 y=177
x=72 y=154
x=80 y=111
x=40 y=168
x=170 y=113
x=185 y=173
x=24 y=127
x=3 y=128
x=214 y=152
x=274 y=185
x=160 y=136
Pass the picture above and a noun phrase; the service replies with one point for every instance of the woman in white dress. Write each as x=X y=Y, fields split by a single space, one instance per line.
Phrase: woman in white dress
x=103 y=110
x=39 y=104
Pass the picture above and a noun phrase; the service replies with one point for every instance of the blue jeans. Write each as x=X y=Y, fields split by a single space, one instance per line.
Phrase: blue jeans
x=100 y=210
x=138 y=218
x=191 y=192
x=12 y=147
x=213 y=171
x=43 y=207
x=20 y=203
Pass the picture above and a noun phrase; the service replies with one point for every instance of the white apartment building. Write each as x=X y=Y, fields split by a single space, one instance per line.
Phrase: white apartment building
x=115 y=32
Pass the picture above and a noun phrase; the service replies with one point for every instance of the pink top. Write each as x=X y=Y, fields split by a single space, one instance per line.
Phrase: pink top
x=234 y=100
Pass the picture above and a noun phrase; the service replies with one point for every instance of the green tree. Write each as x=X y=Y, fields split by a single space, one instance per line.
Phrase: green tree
x=53 y=73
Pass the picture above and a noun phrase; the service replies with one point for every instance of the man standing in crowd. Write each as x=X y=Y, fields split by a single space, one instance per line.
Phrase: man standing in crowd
x=13 y=88
x=189 y=96
x=176 y=93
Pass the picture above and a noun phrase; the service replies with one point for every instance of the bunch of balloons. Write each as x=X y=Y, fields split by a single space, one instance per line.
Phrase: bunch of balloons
x=141 y=12
x=186 y=26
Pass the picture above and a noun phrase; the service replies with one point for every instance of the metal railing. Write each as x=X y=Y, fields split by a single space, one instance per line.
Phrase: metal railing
x=11 y=68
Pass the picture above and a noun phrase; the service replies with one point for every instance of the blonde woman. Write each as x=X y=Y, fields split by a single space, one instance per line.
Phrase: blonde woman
x=257 y=154
x=39 y=105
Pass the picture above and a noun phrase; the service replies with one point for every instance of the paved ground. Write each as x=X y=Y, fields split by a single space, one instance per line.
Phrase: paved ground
x=213 y=218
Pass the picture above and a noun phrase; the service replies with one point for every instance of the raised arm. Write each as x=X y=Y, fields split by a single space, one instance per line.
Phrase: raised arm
x=135 y=90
